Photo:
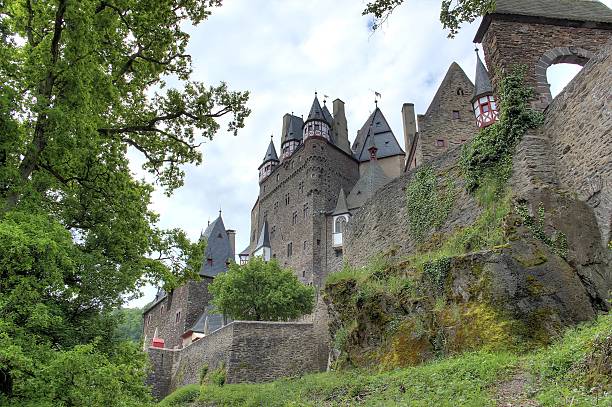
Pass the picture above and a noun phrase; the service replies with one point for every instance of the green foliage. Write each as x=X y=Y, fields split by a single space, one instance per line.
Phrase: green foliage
x=490 y=152
x=428 y=206
x=217 y=376
x=471 y=379
x=203 y=373
x=81 y=87
x=261 y=291
x=436 y=271
x=130 y=324
x=558 y=243
x=181 y=397
x=452 y=13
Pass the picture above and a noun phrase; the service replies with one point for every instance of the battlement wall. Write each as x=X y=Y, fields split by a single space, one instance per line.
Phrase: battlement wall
x=249 y=351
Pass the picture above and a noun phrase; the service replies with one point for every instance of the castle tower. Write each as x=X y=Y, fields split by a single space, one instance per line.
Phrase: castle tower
x=340 y=127
x=291 y=135
x=483 y=101
x=542 y=33
x=318 y=123
x=270 y=161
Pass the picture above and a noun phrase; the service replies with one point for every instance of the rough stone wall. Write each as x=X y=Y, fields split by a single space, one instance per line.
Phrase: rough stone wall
x=190 y=300
x=213 y=350
x=382 y=223
x=248 y=351
x=439 y=123
x=507 y=43
x=578 y=126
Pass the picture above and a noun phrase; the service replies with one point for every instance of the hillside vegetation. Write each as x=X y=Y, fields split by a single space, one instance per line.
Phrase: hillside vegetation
x=575 y=371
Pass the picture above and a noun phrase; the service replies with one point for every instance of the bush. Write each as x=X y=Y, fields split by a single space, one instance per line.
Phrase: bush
x=180 y=397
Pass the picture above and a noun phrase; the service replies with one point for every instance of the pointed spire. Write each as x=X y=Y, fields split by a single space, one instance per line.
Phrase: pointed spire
x=482 y=82
x=271 y=152
x=264 y=237
x=341 y=206
x=316 y=112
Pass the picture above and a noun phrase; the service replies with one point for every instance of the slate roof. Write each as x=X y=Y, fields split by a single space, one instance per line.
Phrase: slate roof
x=245 y=252
x=294 y=129
x=208 y=322
x=579 y=10
x=218 y=248
x=483 y=82
x=316 y=112
x=341 y=205
x=270 y=154
x=383 y=137
x=453 y=70
x=264 y=237
x=328 y=116
x=571 y=10
x=372 y=180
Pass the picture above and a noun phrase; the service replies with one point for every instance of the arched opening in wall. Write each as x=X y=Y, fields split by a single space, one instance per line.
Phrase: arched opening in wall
x=556 y=56
x=560 y=75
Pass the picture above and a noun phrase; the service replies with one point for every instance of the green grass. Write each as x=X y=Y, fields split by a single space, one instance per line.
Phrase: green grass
x=181 y=397
x=560 y=378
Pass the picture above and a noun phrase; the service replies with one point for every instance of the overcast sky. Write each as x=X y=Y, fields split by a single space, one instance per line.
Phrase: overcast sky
x=282 y=51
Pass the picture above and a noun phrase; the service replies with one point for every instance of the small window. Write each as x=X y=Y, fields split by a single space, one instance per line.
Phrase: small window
x=460 y=92
x=265 y=215
x=289 y=249
x=304 y=273
x=277 y=177
x=306 y=210
x=177 y=317
x=209 y=261
x=161 y=310
x=272 y=232
x=148 y=319
x=456 y=114
x=440 y=143
x=287 y=199
x=219 y=236
x=340 y=222
x=305 y=243
x=295 y=217
x=318 y=242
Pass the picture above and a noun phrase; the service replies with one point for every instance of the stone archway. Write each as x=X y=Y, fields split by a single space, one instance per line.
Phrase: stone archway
x=559 y=55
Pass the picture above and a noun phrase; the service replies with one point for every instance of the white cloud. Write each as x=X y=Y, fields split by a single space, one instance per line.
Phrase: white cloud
x=284 y=50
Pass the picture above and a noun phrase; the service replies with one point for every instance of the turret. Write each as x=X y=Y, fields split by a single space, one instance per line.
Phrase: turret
x=263 y=248
x=270 y=161
x=317 y=124
x=340 y=128
x=483 y=101
x=291 y=135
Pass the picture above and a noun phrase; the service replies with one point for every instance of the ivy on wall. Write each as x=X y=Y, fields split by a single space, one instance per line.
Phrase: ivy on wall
x=428 y=205
x=557 y=242
x=492 y=149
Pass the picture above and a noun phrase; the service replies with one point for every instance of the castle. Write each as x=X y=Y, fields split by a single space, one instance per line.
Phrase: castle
x=309 y=194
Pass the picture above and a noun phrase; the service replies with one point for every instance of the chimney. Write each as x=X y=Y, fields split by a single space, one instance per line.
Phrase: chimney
x=410 y=127
x=340 y=127
x=231 y=235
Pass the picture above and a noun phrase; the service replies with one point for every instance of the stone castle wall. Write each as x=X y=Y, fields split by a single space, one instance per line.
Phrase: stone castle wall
x=579 y=128
x=249 y=351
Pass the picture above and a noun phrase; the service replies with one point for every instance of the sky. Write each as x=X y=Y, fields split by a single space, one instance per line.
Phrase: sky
x=282 y=51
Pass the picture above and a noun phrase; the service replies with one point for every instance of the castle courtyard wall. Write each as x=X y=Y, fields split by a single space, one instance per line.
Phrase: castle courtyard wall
x=249 y=351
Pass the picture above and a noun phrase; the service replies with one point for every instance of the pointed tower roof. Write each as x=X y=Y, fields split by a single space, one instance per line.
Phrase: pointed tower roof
x=341 y=205
x=270 y=153
x=316 y=112
x=367 y=185
x=483 y=82
x=264 y=237
x=218 y=249
x=328 y=116
x=376 y=129
x=293 y=130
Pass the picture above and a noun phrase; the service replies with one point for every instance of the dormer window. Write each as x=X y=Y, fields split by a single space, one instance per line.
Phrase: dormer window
x=209 y=261
x=338 y=230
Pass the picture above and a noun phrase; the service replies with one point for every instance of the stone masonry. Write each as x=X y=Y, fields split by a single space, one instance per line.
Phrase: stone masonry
x=247 y=351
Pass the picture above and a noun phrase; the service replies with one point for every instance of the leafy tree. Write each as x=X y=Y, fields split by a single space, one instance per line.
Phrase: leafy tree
x=82 y=83
x=453 y=12
x=130 y=324
x=261 y=291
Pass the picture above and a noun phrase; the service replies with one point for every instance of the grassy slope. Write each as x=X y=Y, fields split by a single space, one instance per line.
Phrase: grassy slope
x=557 y=376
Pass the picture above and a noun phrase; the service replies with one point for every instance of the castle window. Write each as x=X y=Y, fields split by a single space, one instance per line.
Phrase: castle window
x=289 y=249
x=287 y=199
x=318 y=242
x=456 y=114
x=440 y=143
x=276 y=205
x=306 y=210
x=277 y=177
x=177 y=317
x=272 y=232
x=305 y=243
x=301 y=187
x=209 y=261
x=161 y=310
x=304 y=273
x=295 y=217
x=460 y=92
x=265 y=215
x=148 y=319
x=340 y=223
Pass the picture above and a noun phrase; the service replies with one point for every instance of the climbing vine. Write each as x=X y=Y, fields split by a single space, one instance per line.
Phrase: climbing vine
x=436 y=271
x=557 y=242
x=428 y=205
x=490 y=153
